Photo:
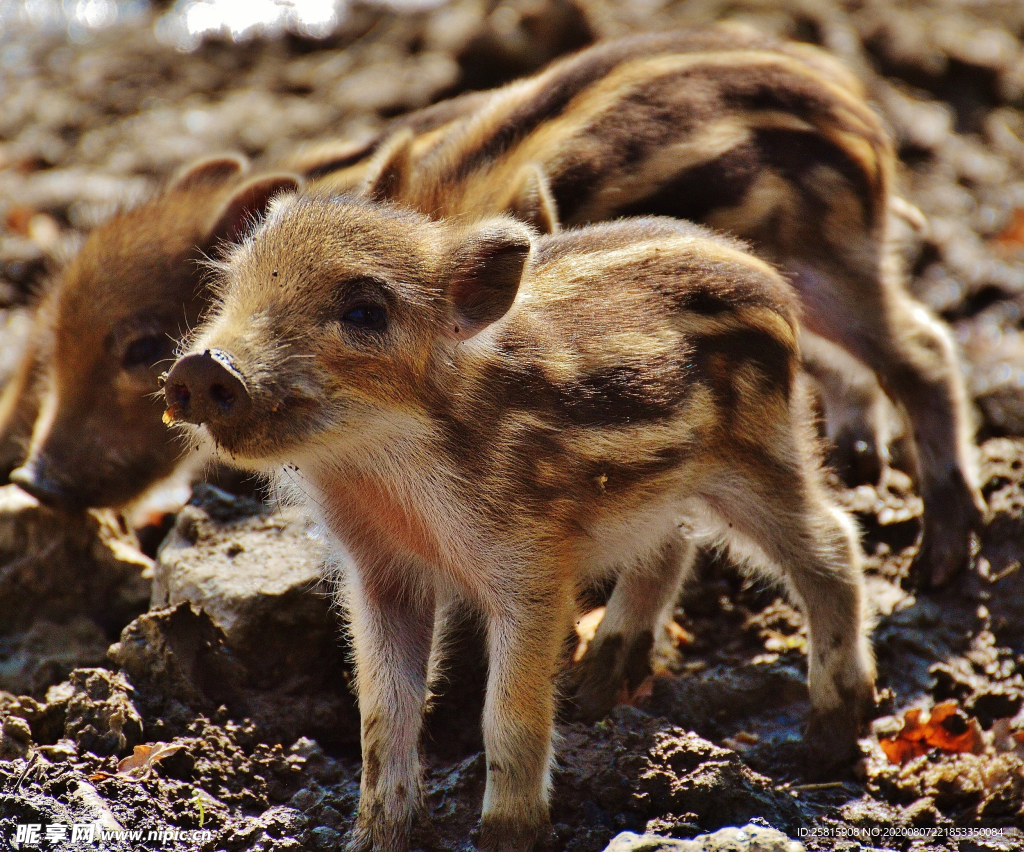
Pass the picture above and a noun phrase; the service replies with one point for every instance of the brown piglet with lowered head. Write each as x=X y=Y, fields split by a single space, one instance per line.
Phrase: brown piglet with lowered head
x=87 y=390
x=478 y=414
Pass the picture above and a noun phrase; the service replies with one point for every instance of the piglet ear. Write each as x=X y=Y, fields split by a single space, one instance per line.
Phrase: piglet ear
x=389 y=168
x=248 y=204
x=486 y=271
x=533 y=201
x=209 y=173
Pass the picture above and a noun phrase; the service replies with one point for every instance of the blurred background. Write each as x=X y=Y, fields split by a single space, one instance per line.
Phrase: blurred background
x=101 y=100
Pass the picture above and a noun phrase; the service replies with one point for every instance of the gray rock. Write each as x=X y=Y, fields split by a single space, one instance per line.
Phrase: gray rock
x=101 y=717
x=750 y=838
x=324 y=837
x=57 y=566
x=47 y=653
x=656 y=772
x=257 y=574
x=15 y=738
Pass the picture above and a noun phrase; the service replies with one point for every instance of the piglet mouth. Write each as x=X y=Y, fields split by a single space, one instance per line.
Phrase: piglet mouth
x=206 y=388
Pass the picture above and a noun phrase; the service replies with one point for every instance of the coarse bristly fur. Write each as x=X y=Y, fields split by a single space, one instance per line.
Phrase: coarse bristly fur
x=772 y=142
x=477 y=413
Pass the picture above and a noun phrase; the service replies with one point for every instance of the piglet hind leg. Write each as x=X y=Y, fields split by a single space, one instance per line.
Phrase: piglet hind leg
x=620 y=654
x=525 y=640
x=912 y=352
x=392 y=631
x=781 y=518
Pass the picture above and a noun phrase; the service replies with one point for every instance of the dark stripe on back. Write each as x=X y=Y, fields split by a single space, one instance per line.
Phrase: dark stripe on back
x=717 y=357
x=791 y=152
x=713 y=288
x=344 y=161
x=617 y=477
x=697 y=192
x=614 y=396
x=623 y=395
x=574 y=75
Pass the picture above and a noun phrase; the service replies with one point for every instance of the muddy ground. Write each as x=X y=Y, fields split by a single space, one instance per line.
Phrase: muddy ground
x=250 y=681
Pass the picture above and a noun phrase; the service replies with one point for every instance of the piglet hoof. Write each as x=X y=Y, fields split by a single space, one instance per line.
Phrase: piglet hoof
x=593 y=689
x=858 y=457
x=938 y=561
x=945 y=549
x=358 y=839
x=831 y=743
x=363 y=838
x=499 y=834
x=607 y=675
x=831 y=737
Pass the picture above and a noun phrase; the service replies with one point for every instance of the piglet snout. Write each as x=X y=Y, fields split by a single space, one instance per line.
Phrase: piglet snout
x=206 y=388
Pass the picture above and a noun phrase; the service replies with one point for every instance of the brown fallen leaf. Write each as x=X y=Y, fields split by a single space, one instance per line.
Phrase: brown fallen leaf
x=677 y=634
x=586 y=628
x=140 y=763
x=1011 y=239
x=17 y=219
x=946 y=728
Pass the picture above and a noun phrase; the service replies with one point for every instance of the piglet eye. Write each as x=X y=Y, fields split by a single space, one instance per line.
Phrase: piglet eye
x=144 y=351
x=366 y=317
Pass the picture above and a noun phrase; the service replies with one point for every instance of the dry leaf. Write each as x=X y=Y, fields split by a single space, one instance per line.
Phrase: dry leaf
x=17 y=219
x=678 y=634
x=586 y=627
x=741 y=741
x=141 y=761
x=945 y=728
x=1011 y=239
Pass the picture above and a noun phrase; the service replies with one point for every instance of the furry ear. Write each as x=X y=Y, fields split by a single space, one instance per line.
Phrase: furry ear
x=533 y=202
x=486 y=270
x=248 y=204
x=389 y=168
x=209 y=173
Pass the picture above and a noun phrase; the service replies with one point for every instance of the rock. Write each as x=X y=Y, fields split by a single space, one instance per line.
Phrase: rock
x=637 y=764
x=182 y=665
x=325 y=837
x=15 y=738
x=47 y=653
x=257 y=575
x=180 y=655
x=58 y=566
x=750 y=838
x=101 y=717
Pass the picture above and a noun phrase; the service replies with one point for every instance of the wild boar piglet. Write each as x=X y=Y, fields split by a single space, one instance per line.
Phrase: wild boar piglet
x=480 y=414
x=83 y=411
x=770 y=141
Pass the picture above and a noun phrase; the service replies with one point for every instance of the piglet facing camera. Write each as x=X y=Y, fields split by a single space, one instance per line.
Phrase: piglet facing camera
x=478 y=414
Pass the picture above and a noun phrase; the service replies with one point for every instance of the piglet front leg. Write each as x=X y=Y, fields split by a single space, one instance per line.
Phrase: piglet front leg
x=524 y=643
x=392 y=628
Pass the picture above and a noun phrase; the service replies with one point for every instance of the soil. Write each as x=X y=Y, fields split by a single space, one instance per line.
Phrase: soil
x=97 y=114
